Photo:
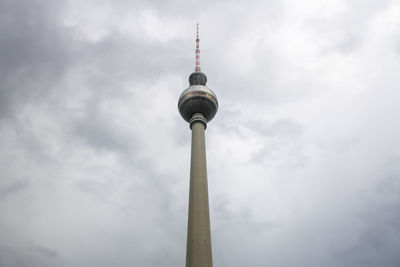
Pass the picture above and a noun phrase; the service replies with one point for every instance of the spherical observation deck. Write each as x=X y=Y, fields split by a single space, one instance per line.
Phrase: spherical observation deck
x=198 y=98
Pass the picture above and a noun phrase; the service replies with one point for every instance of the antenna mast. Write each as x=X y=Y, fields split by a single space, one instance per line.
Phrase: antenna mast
x=197 y=50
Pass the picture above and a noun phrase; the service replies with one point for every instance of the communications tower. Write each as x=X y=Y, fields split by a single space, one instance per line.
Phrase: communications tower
x=198 y=105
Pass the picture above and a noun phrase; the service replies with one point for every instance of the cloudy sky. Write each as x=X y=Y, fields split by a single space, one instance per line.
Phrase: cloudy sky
x=303 y=155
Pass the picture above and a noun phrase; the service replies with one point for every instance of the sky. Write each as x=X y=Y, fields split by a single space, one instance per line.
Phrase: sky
x=303 y=155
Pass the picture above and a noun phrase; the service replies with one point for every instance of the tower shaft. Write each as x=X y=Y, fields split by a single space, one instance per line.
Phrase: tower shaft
x=198 y=251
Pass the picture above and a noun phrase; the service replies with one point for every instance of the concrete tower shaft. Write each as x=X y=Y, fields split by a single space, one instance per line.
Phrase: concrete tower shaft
x=198 y=250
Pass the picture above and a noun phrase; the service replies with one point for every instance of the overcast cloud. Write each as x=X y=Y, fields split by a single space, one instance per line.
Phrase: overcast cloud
x=303 y=155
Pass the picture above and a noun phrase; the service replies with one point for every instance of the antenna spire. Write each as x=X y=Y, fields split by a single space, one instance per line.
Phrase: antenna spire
x=197 y=49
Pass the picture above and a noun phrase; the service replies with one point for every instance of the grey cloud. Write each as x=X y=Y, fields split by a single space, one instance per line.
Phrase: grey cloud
x=281 y=128
x=284 y=135
x=279 y=135
x=38 y=51
x=378 y=241
x=44 y=251
x=13 y=187
x=99 y=132
x=350 y=36
x=33 y=50
x=240 y=228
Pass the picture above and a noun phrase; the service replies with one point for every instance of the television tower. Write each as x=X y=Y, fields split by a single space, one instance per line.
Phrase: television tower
x=198 y=105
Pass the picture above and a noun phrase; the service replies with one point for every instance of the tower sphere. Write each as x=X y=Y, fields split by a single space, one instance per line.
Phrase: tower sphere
x=198 y=98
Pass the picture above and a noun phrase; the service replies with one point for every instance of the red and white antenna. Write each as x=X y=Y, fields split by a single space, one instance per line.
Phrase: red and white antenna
x=197 y=49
